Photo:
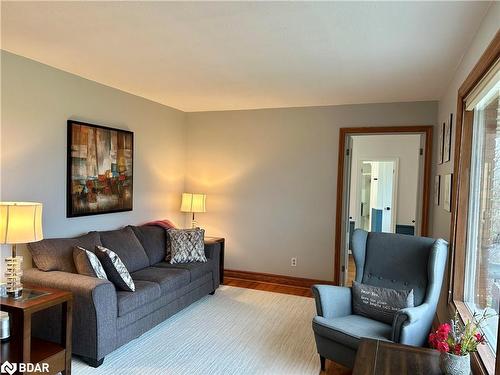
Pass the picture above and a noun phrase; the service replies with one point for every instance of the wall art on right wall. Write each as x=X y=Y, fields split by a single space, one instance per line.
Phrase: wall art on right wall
x=447 y=139
x=448 y=182
x=440 y=143
x=437 y=189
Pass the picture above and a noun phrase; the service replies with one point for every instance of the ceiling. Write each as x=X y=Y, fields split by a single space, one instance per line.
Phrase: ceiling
x=200 y=56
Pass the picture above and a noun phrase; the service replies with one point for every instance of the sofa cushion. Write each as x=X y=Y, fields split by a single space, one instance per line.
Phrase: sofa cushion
x=196 y=270
x=348 y=330
x=87 y=263
x=154 y=241
x=56 y=254
x=169 y=279
x=145 y=292
x=126 y=245
x=115 y=269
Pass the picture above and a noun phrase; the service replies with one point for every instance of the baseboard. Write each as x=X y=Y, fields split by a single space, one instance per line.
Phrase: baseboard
x=274 y=279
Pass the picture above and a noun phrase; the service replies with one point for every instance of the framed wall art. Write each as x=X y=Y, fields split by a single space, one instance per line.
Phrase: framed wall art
x=448 y=182
x=447 y=139
x=437 y=189
x=441 y=143
x=99 y=169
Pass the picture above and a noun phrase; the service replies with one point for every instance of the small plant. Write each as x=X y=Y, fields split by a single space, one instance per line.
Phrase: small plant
x=457 y=338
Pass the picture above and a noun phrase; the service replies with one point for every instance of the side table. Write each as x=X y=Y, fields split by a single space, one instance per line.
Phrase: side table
x=21 y=346
x=376 y=357
x=222 y=242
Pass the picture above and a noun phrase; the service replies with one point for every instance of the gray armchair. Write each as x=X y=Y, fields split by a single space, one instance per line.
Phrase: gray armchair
x=386 y=260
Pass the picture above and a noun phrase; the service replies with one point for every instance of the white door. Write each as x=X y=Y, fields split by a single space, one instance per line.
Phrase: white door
x=377 y=194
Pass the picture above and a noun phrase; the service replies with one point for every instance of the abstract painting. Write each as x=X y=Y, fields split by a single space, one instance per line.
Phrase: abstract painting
x=100 y=169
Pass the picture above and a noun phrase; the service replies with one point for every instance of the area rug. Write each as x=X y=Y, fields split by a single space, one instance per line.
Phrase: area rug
x=236 y=331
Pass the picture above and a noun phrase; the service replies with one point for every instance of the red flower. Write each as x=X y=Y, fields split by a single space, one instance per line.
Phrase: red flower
x=445 y=328
x=443 y=347
x=457 y=349
x=443 y=331
x=432 y=339
x=479 y=337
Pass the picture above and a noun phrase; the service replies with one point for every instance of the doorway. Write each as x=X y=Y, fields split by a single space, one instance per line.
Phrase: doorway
x=383 y=186
x=375 y=198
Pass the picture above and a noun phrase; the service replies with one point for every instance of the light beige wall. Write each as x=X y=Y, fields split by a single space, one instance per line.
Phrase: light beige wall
x=441 y=219
x=37 y=100
x=271 y=179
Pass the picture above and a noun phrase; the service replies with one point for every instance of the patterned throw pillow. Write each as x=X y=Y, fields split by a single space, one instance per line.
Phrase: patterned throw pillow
x=87 y=264
x=186 y=245
x=115 y=269
x=379 y=303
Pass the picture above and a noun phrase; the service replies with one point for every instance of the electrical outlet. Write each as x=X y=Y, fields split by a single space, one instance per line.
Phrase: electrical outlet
x=293 y=262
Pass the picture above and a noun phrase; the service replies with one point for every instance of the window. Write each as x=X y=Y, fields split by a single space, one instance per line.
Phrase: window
x=482 y=262
x=475 y=219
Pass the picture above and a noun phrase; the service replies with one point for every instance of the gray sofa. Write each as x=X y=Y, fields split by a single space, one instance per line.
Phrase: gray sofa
x=105 y=318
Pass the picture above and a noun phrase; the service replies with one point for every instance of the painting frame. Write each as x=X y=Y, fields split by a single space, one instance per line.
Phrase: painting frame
x=447 y=139
x=447 y=191
x=441 y=143
x=126 y=178
x=437 y=189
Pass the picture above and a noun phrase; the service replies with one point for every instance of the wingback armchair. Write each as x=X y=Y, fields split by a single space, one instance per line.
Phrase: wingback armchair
x=386 y=260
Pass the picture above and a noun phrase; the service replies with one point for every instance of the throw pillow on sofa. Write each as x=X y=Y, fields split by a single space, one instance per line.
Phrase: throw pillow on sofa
x=379 y=303
x=186 y=245
x=115 y=269
x=87 y=264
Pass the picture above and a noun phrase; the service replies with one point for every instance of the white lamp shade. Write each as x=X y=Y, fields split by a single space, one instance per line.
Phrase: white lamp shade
x=193 y=202
x=20 y=222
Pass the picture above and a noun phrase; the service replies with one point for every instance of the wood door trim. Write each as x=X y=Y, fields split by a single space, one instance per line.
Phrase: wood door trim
x=343 y=132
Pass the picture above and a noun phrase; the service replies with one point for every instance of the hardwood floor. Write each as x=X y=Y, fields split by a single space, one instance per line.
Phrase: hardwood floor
x=332 y=368
x=351 y=270
x=269 y=287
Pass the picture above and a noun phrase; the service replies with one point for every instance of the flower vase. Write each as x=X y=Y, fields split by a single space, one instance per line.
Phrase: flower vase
x=452 y=364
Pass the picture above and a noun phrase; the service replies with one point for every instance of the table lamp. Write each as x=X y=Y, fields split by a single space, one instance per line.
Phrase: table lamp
x=193 y=203
x=20 y=222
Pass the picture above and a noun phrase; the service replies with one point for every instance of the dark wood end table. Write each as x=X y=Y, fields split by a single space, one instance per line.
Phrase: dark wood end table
x=376 y=357
x=21 y=346
x=222 y=242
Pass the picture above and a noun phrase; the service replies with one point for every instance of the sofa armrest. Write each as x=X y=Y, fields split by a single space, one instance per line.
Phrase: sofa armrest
x=332 y=301
x=94 y=311
x=212 y=252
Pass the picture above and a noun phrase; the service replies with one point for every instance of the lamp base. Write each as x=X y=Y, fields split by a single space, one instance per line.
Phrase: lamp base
x=15 y=294
x=13 y=275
